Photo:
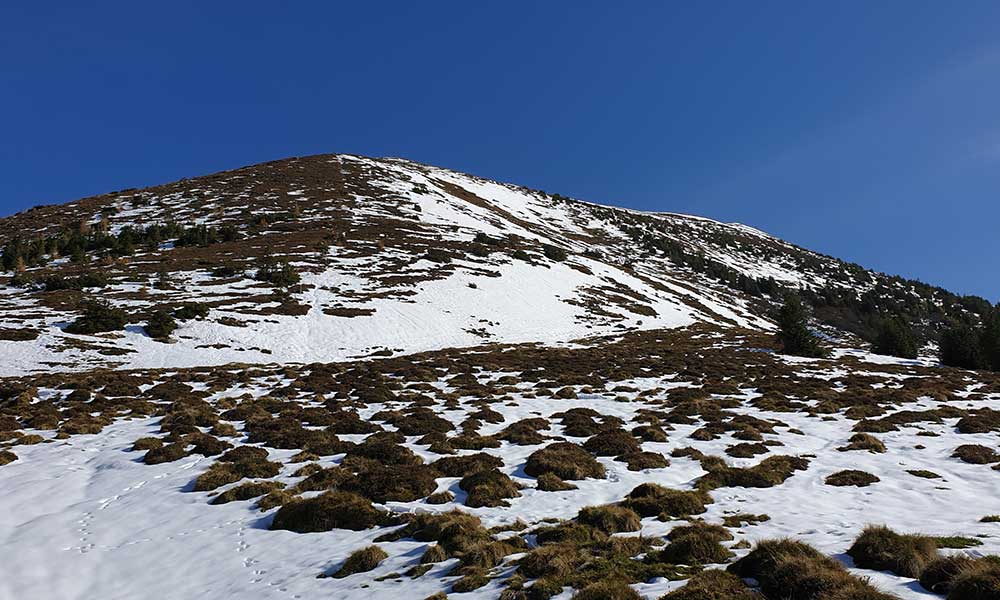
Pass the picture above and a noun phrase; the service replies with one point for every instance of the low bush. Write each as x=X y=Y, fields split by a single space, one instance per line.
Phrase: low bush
x=98 y=316
x=160 y=324
x=607 y=590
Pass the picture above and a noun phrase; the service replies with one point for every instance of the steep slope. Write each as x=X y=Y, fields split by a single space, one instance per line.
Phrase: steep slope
x=393 y=257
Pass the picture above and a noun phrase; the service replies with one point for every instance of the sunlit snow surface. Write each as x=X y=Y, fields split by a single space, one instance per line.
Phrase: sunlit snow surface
x=85 y=518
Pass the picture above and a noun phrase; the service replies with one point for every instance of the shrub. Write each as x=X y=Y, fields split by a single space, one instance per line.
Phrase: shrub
x=225 y=272
x=361 y=561
x=98 y=316
x=191 y=310
x=566 y=460
x=794 y=331
x=160 y=324
x=895 y=338
x=959 y=347
x=437 y=255
x=882 y=549
x=7 y=457
x=280 y=275
x=610 y=518
x=851 y=477
x=330 y=510
x=554 y=252
x=713 y=584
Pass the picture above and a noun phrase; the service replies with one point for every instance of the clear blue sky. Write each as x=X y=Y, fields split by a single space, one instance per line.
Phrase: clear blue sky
x=865 y=130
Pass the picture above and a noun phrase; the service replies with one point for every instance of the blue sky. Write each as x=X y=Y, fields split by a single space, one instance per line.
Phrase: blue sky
x=865 y=130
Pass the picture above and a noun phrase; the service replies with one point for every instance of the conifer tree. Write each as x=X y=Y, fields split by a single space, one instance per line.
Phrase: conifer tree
x=960 y=347
x=895 y=338
x=794 y=331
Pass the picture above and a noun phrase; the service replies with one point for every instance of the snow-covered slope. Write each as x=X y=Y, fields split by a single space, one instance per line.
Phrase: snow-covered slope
x=488 y=391
x=363 y=234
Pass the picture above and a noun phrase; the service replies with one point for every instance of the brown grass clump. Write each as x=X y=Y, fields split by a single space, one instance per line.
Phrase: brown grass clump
x=361 y=561
x=607 y=590
x=769 y=472
x=976 y=454
x=467 y=464
x=639 y=461
x=983 y=420
x=550 y=482
x=566 y=460
x=864 y=441
x=739 y=519
x=217 y=475
x=275 y=499
x=650 y=433
x=554 y=560
x=488 y=488
x=713 y=584
x=331 y=510
x=434 y=554
x=747 y=450
x=695 y=548
x=248 y=491
x=440 y=498
x=473 y=579
x=882 y=549
x=569 y=532
x=790 y=570
x=610 y=518
x=978 y=581
x=398 y=483
x=939 y=575
x=168 y=453
x=612 y=443
x=147 y=443
x=7 y=457
x=851 y=477
x=650 y=499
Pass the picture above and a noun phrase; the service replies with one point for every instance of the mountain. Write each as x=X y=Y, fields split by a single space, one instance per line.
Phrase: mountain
x=394 y=257
x=414 y=382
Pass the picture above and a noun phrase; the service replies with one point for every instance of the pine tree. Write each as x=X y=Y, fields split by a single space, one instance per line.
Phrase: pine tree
x=960 y=347
x=794 y=331
x=160 y=324
x=989 y=340
x=895 y=338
